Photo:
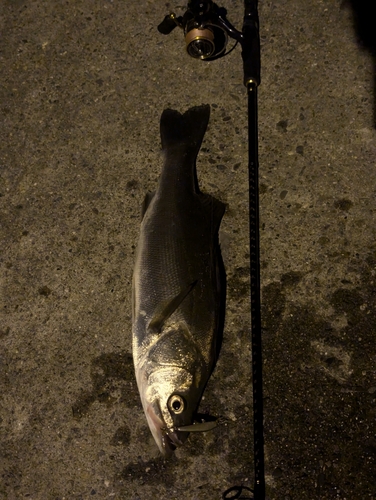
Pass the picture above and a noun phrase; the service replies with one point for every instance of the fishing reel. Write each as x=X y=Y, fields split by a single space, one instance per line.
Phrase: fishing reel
x=206 y=29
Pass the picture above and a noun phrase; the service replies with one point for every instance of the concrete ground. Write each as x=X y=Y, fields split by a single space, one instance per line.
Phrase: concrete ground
x=83 y=85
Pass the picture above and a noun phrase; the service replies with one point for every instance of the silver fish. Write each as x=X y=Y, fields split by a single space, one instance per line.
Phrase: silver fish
x=179 y=286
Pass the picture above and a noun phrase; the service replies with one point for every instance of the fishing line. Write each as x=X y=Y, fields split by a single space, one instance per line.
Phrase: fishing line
x=207 y=29
x=235 y=491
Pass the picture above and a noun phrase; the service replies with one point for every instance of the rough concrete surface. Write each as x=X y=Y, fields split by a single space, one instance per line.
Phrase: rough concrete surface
x=83 y=85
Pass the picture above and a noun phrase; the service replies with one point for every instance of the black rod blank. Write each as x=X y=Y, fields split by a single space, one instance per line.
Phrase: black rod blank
x=254 y=251
x=251 y=65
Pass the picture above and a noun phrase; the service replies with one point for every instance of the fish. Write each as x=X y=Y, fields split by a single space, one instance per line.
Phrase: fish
x=178 y=286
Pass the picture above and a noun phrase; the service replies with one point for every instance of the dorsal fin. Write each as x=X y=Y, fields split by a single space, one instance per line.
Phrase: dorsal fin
x=214 y=207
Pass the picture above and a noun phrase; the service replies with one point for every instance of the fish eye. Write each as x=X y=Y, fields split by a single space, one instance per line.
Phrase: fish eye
x=176 y=404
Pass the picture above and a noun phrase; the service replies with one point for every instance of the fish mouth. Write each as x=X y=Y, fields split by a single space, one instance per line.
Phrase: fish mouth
x=167 y=439
x=170 y=441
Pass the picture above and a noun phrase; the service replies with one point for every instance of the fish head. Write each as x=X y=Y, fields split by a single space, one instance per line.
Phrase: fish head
x=170 y=396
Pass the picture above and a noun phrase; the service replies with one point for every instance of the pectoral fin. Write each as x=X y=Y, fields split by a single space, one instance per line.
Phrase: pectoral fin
x=166 y=309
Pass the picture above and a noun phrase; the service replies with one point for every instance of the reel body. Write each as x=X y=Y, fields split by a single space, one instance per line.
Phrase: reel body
x=205 y=27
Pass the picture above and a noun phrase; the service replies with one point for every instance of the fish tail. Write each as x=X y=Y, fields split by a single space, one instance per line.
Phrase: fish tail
x=185 y=130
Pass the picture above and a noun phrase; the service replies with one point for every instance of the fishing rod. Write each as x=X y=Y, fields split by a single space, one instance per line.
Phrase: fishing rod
x=207 y=32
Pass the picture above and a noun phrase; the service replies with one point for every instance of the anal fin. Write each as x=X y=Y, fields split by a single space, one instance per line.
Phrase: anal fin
x=145 y=204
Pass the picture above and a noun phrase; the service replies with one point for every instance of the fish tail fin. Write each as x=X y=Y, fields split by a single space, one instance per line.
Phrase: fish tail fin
x=184 y=130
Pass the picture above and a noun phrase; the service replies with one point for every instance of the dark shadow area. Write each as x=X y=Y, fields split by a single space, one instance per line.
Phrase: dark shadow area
x=364 y=24
x=110 y=372
x=321 y=431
